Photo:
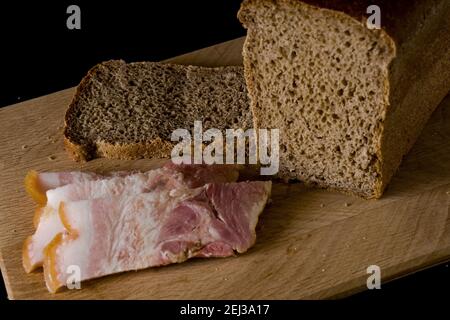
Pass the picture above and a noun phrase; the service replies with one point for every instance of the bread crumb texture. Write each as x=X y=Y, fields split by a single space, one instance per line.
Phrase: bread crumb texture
x=323 y=79
x=129 y=111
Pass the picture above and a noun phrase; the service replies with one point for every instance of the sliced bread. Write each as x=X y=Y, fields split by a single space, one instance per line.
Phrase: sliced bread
x=129 y=111
x=349 y=101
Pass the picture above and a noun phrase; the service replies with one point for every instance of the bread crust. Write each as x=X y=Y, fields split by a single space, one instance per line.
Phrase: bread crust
x=76 y=151
x=156 y=148
x=396 y=15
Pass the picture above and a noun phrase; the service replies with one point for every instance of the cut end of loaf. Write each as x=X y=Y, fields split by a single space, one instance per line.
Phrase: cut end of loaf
x=321 y=77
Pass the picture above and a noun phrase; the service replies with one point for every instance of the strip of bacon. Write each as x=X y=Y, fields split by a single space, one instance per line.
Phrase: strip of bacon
x=47 y=221
x=37 y=184
x=105 y=236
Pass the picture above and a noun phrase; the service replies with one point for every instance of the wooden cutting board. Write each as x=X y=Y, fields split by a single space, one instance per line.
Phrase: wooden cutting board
x=311 y=243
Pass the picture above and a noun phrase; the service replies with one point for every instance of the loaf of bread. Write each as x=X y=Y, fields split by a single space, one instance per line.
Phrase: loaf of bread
x=349 y=101
x=129 y=111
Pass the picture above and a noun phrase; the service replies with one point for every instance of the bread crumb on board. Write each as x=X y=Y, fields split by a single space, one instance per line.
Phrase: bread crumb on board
x=347 y=204
x=51 y=158
x=24 y=147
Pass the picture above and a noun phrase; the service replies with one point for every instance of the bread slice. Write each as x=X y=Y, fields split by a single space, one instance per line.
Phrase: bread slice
x=129 y=111
x=349 y=101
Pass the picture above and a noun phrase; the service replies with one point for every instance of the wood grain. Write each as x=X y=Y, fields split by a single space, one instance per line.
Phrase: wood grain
x=311 y=243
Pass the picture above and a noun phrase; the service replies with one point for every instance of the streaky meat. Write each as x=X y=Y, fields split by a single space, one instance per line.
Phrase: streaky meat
x=109 y=235
x=37 y=184
x=47 y=221
x=198 y=175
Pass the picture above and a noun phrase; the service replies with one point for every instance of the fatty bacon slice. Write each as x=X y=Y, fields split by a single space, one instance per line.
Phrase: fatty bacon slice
x=91 y=186
x=47 y=221
x=107 y=236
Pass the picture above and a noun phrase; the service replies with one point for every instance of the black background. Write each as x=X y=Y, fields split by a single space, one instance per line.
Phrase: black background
x=40 y=55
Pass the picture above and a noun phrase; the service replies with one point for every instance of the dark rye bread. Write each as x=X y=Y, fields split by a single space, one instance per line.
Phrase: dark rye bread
x=129 y=111
x=349 y=101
